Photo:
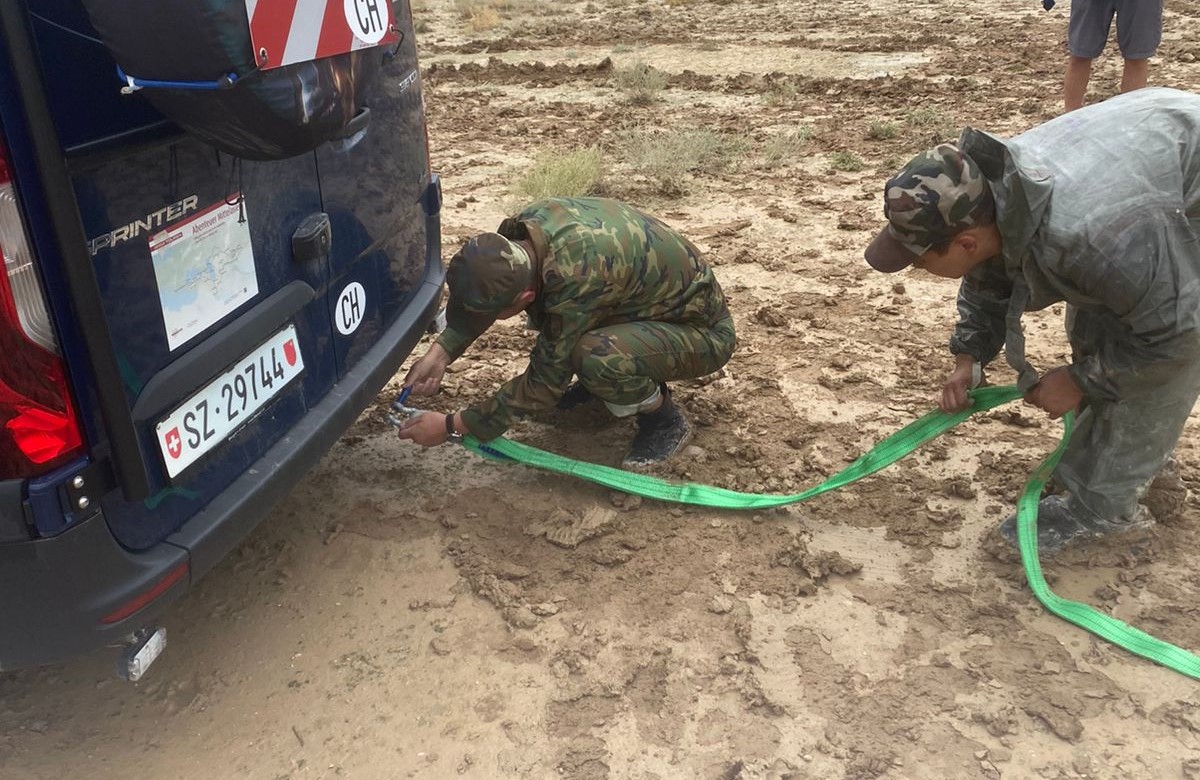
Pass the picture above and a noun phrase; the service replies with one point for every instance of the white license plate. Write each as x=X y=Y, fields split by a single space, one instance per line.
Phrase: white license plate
x=229 y=401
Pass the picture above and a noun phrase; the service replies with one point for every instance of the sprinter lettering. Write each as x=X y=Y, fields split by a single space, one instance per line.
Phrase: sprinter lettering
x=152 y=221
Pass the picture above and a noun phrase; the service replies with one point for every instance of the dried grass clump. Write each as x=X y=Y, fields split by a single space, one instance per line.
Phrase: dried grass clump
x=560 y=175
x=640 y=83
x=846 y=161
x=882 y=131
x=784 y=147
x=484 y=15
x=668 y=158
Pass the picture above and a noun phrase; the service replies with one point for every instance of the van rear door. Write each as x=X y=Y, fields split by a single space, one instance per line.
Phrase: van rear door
x=229 y=314
x=190 y=301
x=372 y=186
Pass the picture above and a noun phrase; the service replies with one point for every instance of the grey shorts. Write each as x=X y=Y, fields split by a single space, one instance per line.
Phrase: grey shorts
x=1139 y=27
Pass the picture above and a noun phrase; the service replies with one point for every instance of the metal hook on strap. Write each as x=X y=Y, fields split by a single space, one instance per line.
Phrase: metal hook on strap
x=399 y=412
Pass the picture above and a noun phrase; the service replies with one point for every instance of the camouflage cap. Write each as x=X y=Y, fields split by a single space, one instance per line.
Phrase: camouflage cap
x=485 y=277
x=937 y=195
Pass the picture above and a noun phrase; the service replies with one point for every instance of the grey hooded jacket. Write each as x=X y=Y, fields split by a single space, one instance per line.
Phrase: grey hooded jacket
x=1099 y=208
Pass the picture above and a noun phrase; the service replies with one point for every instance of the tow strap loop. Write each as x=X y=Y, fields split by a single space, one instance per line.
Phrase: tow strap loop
x=887 y=452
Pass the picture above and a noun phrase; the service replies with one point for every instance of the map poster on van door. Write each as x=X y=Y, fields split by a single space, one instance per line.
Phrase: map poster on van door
x=204 y=268
x=289 y=31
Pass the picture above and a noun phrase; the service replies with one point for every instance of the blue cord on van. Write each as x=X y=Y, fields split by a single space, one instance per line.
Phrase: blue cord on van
x=134 y=84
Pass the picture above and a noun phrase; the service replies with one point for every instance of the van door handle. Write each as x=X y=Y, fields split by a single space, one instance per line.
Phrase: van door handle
x=355 y=125
x=312 y=239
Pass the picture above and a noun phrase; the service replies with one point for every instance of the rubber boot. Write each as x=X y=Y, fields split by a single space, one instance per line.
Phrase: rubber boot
x=661 y=434
x=1060 y=524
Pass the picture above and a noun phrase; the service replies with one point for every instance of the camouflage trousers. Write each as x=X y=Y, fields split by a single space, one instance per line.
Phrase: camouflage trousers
x=1119 y=446
x=623 y=364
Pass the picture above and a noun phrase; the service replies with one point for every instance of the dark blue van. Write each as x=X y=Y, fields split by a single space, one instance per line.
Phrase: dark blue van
x=183 y=332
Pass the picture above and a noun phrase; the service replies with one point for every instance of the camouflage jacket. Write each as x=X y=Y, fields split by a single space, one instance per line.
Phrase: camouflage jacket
x=601 y=263
x=1099 y=208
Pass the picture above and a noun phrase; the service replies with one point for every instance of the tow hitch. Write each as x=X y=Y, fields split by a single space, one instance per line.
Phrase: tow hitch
x=142 y=648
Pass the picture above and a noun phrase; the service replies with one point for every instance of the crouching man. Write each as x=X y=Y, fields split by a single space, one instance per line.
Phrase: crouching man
x=620 y=301
x=1099 y=208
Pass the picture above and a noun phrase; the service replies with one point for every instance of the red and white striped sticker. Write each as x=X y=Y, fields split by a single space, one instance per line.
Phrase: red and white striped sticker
x=288 y=31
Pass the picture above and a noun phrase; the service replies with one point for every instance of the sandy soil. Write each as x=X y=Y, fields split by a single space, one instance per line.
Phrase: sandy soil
x=426 y=614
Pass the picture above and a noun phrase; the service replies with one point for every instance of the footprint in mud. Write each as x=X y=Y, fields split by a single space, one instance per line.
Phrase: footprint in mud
x=569 y=530
x=817 y=565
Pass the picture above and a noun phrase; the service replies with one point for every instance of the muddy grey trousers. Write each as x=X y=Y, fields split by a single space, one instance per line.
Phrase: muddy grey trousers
x=1119 y=446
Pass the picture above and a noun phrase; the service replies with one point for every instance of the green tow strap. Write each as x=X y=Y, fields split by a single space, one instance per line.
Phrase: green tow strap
x=881 y=456
x=1104 y=626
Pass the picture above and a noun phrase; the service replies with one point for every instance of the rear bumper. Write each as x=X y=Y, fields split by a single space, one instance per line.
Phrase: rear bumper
x=56 y=590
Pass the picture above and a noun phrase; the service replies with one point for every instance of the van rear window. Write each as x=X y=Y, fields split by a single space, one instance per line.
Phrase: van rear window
x=81 y=79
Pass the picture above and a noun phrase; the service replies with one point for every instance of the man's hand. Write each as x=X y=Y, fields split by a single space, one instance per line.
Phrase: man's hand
x=427 y=429
x=1056 y=393
x=425 y=376
x=954 y=389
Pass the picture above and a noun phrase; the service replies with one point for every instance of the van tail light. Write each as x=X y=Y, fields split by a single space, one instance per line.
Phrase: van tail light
x=39 y=428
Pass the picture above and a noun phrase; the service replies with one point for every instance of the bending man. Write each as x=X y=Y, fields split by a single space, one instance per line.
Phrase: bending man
x=1099 y=208
x=620 y=300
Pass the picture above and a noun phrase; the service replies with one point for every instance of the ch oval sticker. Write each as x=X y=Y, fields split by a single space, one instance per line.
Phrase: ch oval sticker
x=367 y=19
x=350 y=308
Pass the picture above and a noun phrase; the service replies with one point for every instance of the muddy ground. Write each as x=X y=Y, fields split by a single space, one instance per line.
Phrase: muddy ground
x=427 y=614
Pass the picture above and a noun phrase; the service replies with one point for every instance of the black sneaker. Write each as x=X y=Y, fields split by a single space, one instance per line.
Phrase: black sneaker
x=660 y=435
x=1059 y=526
x=576 y=395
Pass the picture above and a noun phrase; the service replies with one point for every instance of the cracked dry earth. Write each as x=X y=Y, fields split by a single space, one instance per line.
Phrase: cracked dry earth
x=427 y=614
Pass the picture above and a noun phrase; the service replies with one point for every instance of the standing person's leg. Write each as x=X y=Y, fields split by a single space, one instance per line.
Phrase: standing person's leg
x=1079 y=71
x=1134 y=74
x=628 y=365
x=1139 y=32
x=1087 y=32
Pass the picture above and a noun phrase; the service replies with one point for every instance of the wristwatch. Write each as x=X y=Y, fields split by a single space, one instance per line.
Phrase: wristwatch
x=452 y=434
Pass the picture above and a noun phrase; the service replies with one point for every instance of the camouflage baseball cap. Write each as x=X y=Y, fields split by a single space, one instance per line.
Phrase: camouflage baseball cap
x=485 y=277
x=939 y=194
